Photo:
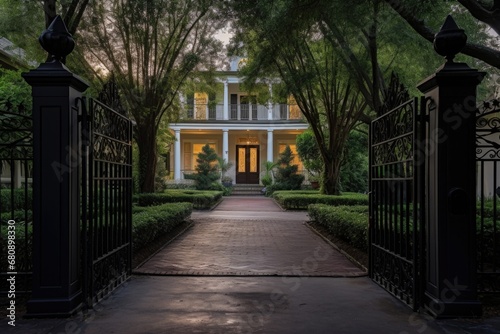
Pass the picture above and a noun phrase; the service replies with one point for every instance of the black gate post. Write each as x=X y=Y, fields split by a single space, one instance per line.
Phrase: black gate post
x=451 y=289
x=56 y=260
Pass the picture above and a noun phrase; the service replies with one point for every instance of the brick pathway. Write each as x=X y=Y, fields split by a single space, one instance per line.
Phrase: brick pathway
x=249 y=247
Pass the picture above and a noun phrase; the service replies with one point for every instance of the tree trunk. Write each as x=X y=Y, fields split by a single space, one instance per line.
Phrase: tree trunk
x=331 y=176
x=146 y=142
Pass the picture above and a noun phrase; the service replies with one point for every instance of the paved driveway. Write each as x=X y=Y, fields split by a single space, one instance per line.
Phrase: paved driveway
x=250 y=236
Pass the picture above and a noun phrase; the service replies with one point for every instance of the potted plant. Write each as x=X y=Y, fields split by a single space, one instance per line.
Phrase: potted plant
x=227 y=181
x=224 y=166
x=314 y=180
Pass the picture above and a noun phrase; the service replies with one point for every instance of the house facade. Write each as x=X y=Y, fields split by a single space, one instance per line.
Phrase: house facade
x=239 y=125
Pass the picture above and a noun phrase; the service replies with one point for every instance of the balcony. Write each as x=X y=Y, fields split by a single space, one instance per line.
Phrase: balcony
x=241 y=112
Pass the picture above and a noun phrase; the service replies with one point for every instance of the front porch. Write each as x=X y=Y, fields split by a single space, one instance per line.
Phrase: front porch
x=247 y=147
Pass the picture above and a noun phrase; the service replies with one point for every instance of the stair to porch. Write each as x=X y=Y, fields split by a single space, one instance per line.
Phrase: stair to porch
x=247 y=190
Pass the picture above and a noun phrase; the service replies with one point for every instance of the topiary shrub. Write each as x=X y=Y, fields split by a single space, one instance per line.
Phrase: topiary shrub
x=286 y=177
x=207 y=169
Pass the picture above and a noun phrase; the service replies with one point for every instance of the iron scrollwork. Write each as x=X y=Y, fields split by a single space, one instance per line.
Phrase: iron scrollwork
x=488 y=130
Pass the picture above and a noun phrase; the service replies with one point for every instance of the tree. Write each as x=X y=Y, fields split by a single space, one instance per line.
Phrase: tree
x=486 y=12
x=286 y=173
x=308 y=151
x=14 y=89
x=207 y=169
x=151 y=47
x=284 y=38
x=23 y=21
x=354 y=170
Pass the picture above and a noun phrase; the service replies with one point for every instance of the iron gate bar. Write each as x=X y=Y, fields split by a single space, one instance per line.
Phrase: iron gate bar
x=16 y=150
x=487 y=158
x=395 y=259
x=107 y=204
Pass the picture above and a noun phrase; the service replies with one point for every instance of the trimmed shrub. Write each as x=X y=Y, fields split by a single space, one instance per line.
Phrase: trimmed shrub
x=18 y=196
x=349 y=223
x=207 y=169
x=154 y=221
x=24 y=246
x=199 y=199
x=300 y=200
x=286 y=177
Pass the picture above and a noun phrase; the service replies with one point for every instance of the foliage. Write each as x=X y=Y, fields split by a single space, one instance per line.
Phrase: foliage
x=224 y=166
x=266 y=180
x=23 y=21
x=14 y=89
x=18 y=196
x=475 y=17
x=300 y=200
x=349 y=223
x=286 y=174
x=226 y=191
x=200 y=199
x=206 y=169
x=287 y=39
x=309 y=153
x=269 y=168
x=354 y=172
x=151 y=47
x=151 y=222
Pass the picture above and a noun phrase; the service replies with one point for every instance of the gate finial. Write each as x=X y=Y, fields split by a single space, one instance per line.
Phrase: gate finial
x=57 y=40
x=450 y=40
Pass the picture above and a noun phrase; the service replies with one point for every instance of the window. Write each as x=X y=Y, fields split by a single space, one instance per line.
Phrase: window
x=191 y=151
x=200 y=105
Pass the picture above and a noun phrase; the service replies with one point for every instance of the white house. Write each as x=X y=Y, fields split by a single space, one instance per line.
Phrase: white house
x=238 y=125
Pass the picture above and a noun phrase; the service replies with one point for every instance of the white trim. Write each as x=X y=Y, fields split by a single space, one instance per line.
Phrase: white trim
x=239 y=126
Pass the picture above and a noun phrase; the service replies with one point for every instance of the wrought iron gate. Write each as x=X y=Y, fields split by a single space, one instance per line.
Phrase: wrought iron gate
x=16 y=163
x=106 y=200
x=488 y=193
x=396 y=201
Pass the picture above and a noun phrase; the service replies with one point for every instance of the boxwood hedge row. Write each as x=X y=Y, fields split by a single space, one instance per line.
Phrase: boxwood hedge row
x=199 y=199
x=349 y=223
x=301 y=200
x=151 y=222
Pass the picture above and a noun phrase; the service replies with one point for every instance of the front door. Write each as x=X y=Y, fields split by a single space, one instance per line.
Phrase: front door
x=247 y=164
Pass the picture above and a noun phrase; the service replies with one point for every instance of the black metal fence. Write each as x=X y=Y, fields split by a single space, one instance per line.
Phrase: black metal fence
x=16 y=161
x=488 y=192
x=106 y=200
x=396 y=206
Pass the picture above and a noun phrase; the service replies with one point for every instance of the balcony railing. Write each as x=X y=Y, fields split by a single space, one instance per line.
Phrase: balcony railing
x=241 y=112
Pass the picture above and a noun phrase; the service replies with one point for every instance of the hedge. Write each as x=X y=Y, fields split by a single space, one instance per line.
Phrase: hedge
x=19 y=195
x=348 y=223
x=199 y=199
x=300 y=200
x=154 y=221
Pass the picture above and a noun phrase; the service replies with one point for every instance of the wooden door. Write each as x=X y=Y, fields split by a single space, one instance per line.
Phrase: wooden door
x=247 y=164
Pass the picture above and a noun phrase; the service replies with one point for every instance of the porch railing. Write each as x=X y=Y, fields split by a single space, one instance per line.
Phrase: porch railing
x=241 y=112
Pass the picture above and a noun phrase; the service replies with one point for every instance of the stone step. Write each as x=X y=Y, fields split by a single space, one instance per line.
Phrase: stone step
x=247 y=190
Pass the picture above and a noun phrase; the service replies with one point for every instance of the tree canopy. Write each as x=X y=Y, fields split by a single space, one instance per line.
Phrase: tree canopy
x=151 y=47
x=476 y=17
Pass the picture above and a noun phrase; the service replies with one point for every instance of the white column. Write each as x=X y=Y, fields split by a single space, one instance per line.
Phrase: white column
x=225 y=144
x=226 y=100
x=270 y=104
x=177 y=156
x=17 y=181
x=270 y=145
